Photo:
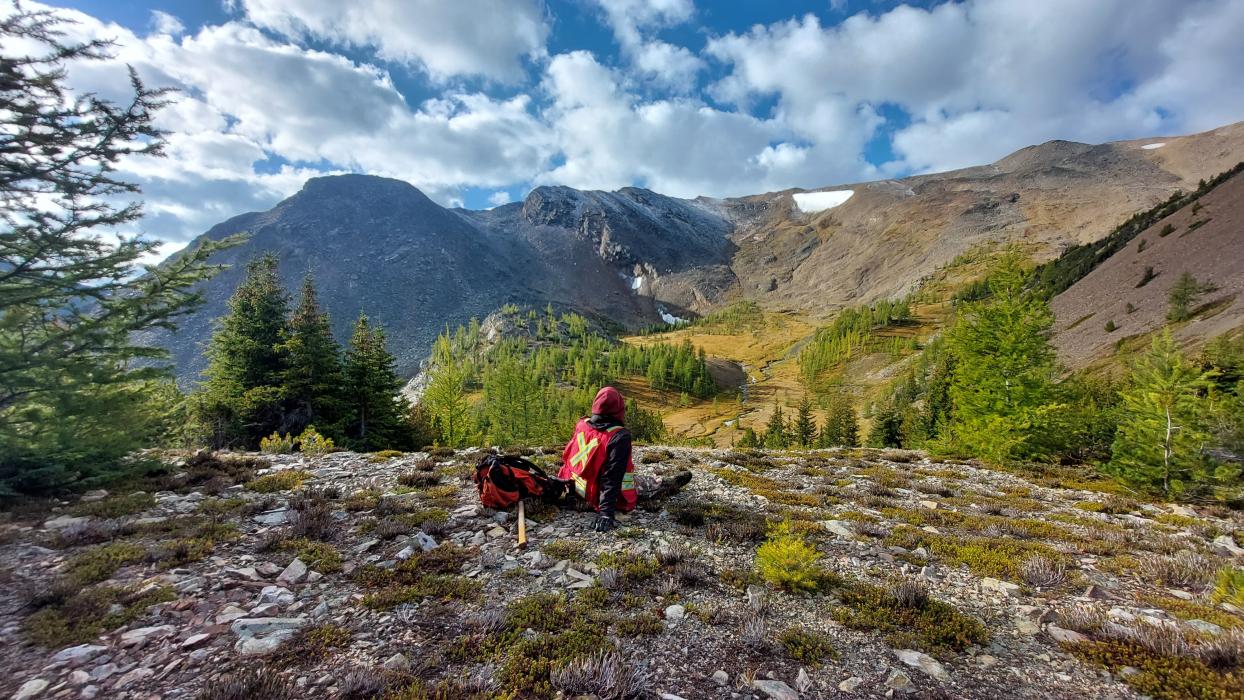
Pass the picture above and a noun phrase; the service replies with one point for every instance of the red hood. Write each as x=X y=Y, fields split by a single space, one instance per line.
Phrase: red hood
x=609 y=403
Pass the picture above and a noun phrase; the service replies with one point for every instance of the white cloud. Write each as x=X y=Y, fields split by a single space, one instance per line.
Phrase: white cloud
x=669 y=66
x=489 y=38
x=499 y=197
x=164 y=23
x=984 y=77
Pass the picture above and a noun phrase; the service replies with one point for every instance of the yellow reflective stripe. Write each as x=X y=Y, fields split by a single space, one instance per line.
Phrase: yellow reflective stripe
x=613 y=429
x=580 y=485
x=579 y=459
x=628 y=482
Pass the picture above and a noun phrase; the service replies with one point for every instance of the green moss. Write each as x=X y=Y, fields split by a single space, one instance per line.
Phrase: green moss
x=807 y=647
x=100 y=563
x=1189 y=610
x=565 y=549
x=384 y=455
x=634 y=568
x=318 y=556
x=529 y=663
x=1161 y=677
x=998 y=557
x=221 y=507
x=641 y=625
x=312 y=645
x=1229 y=586
x=181 y=551
x=82 y=617
x=934 y=626
x=116 y=506
x=439 y=587
x=287 y=480
x=361 y=500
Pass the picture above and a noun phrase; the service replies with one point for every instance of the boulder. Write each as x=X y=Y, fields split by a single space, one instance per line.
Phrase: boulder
x=76 y=656
x=294 y=573
x=64 y=521
x=31 y=689
x=922 y=661
x=775 y=690
x=275 y=595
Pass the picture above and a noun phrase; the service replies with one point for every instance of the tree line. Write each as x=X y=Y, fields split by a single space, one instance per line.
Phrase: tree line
x=276 y=371
x=531 y=387
x=991 y=388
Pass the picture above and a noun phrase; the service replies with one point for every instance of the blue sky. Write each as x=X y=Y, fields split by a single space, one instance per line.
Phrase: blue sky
x=477 y=101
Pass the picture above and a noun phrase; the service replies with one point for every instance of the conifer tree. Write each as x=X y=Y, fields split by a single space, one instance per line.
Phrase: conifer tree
x=750 y=439
x=241 y=401
x=1160 y=436
x=803 y=430
x=841 y=427
x=446 y=402
x=77 y=390
x=886 y=428
x=312 y=381
x=376 y=411
x=1183 y=295
x=776 y=435
x=1004 y=366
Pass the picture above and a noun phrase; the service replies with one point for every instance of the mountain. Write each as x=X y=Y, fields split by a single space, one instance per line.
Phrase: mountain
x=634 y=257
x=1127 y=295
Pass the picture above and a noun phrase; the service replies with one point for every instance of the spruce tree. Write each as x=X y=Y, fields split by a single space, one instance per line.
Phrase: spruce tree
x=78 y=389
x=886 y=430
x=803 y=431
x=841 y=427
x=312 y=381
x=241 y=400
x=776 y=435
x=376 y=412
x=1160 y=436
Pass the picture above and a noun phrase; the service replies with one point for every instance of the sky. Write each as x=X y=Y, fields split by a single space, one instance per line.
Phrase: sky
x=478 y=101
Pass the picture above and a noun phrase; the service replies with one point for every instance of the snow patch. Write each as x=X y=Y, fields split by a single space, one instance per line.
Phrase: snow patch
x=669 y=318
x=637 y=282
x=1151 y=146
x=812 y=202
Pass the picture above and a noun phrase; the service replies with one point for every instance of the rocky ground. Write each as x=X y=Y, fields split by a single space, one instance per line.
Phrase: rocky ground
x=355 y=576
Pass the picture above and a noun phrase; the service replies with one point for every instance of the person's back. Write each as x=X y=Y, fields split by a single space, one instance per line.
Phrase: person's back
x=598 y=460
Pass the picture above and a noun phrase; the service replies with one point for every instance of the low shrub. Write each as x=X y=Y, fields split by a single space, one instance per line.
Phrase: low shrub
x=116 y=506
x=934 y=627
x=1229 y=586
x=785 y=561
x=100 y=563
x=277 y=444
x=807 y=647
x=286 y=480
x=310 y=442
x=80 y=617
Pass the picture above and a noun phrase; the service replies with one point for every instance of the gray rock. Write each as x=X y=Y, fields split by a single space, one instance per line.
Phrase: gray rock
x=1004 y=587
x=900 y=682
x=851 y=684
x=720 y=677
x=1224 y=543
x=195 y=641
x=140 y=636
x=64 y=521
x=406 y=553
x=76 y=656
x=397 y=662
x=95 y=495
x=272 y=517
x=228 y=614
x=1067 y=636
x=922 y=661
x=775 y=690
x=1204 y=626
x=425 y=541
x=675 y=613
x=79 y=677
x=294 y=573
x=31 y=689
x=254 y=627
x=275 y=595
x=839 y=528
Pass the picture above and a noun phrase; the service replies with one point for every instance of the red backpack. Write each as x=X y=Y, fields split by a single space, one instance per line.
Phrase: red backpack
x=503 y=480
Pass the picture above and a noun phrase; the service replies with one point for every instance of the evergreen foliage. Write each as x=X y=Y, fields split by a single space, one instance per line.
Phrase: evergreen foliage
x=312 y=381
x=532 y=386
x=803 y=429
x=375 y=409
x=1161 y=433
x=852 y=333
x=77 y=391
x=242 y=397
x=777 y=434
x=1183 y=295
x=1004 y=369
x=841 y=427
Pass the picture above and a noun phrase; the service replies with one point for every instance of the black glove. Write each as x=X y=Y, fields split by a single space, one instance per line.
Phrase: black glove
x=603 y=523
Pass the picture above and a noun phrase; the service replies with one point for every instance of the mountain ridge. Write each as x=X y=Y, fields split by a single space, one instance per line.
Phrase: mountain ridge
x=633 y=256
